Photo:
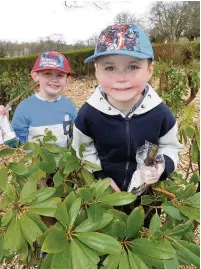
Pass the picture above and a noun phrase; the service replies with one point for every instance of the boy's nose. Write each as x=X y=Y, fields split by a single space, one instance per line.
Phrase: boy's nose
x=121 y=77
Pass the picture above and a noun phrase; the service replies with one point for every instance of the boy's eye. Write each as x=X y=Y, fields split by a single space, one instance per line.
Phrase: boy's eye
x=132 y=67
x=47 y=73
x=61 y=75
x=109 y=68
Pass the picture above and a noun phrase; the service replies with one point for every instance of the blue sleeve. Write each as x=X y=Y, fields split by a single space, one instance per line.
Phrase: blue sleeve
x=20 y=124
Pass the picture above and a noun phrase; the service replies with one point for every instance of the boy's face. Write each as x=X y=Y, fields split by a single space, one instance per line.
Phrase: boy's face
x=123 y=77
x=51 y=82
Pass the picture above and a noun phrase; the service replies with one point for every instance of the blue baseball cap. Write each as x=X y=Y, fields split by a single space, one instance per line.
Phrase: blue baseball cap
x=123 y=39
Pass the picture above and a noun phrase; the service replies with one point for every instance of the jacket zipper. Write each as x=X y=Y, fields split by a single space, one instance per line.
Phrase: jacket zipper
x=128 y=152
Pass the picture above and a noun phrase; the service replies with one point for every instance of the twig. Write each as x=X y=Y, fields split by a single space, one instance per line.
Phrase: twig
x=167 y=193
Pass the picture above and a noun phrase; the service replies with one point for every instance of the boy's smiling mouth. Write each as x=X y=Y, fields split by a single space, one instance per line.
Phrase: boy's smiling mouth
x=122 y=89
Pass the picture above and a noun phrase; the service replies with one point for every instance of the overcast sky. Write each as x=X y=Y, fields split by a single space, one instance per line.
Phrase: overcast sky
x=28 y=20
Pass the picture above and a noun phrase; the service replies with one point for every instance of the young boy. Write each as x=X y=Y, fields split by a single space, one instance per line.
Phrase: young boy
x=125 y=111
x=46 y=109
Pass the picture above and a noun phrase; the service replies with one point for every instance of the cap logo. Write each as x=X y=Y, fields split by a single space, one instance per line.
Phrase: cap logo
x=119 y=37
x=51 y=59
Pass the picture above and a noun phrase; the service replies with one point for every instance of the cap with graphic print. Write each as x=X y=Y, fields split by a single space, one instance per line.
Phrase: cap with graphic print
x=123 y=39
x=51 y=60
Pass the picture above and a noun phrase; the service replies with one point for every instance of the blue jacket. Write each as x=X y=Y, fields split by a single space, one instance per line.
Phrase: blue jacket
x=112 y=138
x=34 y=114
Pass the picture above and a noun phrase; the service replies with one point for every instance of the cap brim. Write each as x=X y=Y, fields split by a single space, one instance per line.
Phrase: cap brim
x=135 y=54
x=51 y=68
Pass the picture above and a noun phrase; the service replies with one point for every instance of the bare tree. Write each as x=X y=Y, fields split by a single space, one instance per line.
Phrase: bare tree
x=125 y=17
x=80 y=4
x=171 y=18
x=92 y=41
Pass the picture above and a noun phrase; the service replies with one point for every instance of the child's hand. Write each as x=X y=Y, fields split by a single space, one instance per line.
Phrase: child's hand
x=114 y=185
x=150 y=175
x=3 y=111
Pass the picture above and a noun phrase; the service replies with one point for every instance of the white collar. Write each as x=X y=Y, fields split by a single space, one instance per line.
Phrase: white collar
x=39 y=97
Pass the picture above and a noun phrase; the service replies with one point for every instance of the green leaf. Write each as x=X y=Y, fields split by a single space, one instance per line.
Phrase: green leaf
x=48 y=163
x=55 y=241
x=81 y=150
x=51 y=148
x=18 y=168
x=85 y=194
x=57 y=179
x=100 y=242
x=190 y=246
x=43 y=194
x=194 y=200
x=194 y=152
x=190 y=212
x=29 y=188
x=74 y=210
x=30 y=230
x=111 y=262
x=187 y=254
x=92 y=166
x=91 y=254
x=10 y=191
x=118 y=198
x=61 y=215
x=181 y=228
x=79 y=259
x=34 y=147
x=160 y=250
x=71 y=197
x=135 y=221
x=38 y=221
x=119 y=229
x=47 y=167
x=154 y=224
x=87 y=176
x=189 y=191
x=95 y=212
x=62 y=259
x=7 y=152
x=171 y=264
x=194 y=178
x=190 y=131
x=89 y=226
x=13 y=238
x=46 y=208
x=4 y=178
x=100 y=187
x=124 y=263
x=135 y=261
x=172 y=211
x=7 y=217
x=146 y=199
x=46 y=263
x=70 y=168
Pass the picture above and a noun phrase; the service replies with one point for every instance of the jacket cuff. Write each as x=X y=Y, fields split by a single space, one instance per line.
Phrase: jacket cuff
x=99 y=174
x=169 y=167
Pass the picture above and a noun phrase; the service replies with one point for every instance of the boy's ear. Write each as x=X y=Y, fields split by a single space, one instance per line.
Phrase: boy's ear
x=151 y=69
x=34 y=76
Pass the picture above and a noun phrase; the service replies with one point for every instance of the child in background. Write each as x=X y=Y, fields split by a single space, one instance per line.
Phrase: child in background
x=124 y=112
x=47 y=108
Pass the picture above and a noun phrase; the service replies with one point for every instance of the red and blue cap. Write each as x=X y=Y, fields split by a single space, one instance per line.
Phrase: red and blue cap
x=123 y=39
x=52 y=60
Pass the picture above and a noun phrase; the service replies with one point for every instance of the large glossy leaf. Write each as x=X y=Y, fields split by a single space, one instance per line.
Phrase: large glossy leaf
x=79 y=258
x=171 y=264
x=90 y=253
x=181 y=228
x=89 y=226
x=95 y=212
x=28 y=189
x=194 y=200
x=119 y=229
x=30 y=229
x=160 y=250
x=57 y=179
x=100 y=187
x=43 y=194
x=190 y=212
x=155 y=224
x=38 y=221
x=13 y=238
x=172 y=211
x=71 y=197
x=7 y=217
x=189 y=191
x=135 y=261
x=87 y=176
x=111 y=262
x=100 y=242
x=18 y=168
x=85 y=194
x=4 y=178
x=124 y=262
x=46 y=208
x=146 y=200
x=55 y=241
x=74 y=210
x=118 y=198
x=62 y=215
x=62 y=259
x=135 y=221
x=46 y=263
x=187 y=254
